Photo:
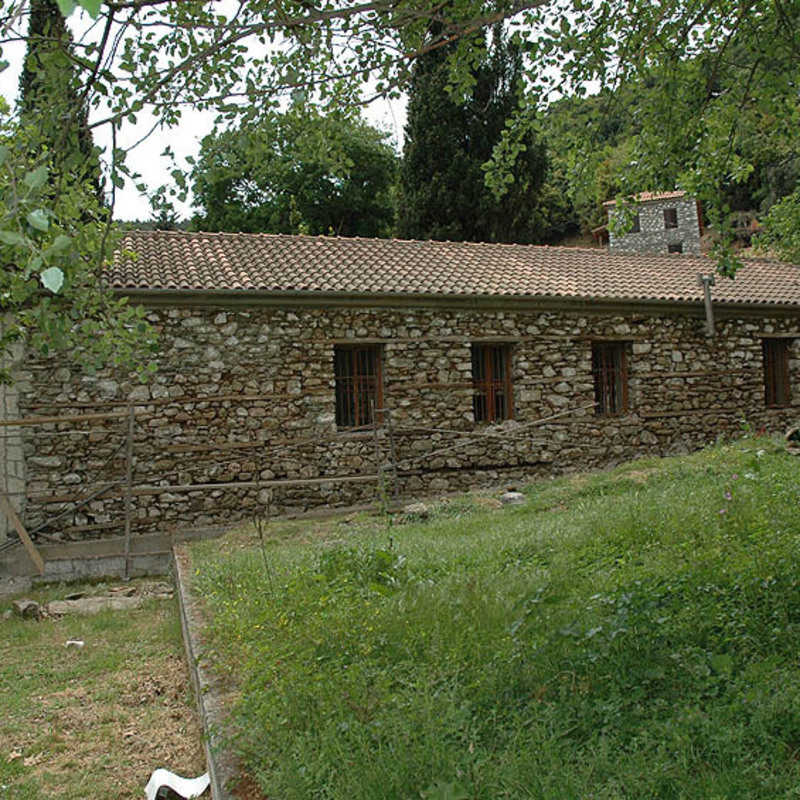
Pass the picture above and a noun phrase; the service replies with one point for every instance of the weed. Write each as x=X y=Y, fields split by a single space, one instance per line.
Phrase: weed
x=639 y=643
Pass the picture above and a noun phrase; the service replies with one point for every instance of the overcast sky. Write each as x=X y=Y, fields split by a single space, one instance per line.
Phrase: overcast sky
x=184 y=140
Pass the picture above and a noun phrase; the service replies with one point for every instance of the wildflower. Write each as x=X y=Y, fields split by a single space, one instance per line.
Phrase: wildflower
x=723 y=511
x=735 y=476
x=728 y=496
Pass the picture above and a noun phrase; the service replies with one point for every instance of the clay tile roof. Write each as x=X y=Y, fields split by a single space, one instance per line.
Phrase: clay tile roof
x=646 y=197
x=316 y=265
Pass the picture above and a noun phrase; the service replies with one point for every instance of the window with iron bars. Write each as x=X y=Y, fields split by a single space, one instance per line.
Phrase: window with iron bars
x=777 y=388
x=359 y=384
x=491 y=382
x=670 y=218
x=610 y=372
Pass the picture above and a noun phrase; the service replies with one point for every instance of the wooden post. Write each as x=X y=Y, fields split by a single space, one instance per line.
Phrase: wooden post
x=128 y=490
x=392 y=453
x=9 y=511
x=378 y=459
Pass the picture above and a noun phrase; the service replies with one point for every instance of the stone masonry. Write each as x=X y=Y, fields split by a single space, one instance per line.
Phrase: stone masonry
x=247 y=394
x=12 y=462
x=653 y=235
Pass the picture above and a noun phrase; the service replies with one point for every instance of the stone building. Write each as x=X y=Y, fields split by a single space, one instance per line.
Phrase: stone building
x=497 y=363
x=663 y=222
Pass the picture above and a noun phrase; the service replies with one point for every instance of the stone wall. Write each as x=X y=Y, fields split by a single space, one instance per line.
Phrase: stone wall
x=248 y=395
x=12 y=462
x=653 y=237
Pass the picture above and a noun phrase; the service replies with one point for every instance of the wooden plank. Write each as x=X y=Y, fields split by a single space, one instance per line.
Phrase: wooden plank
x=188 y=399
x=98 y=526
x=9 y=511
x=690 y=412
x=6 y=423
x=203 y=487
x=128 y=489
x=664 y=375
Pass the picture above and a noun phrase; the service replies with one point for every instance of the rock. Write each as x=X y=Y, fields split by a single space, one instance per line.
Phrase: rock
x=417 y=510
x=27 y=609
x=92 y=605
x=513 y=499
x=107 y=387
x=139 y=393
x=488 y=502
x=46 y=461
x=11 y=586
x=120 y=591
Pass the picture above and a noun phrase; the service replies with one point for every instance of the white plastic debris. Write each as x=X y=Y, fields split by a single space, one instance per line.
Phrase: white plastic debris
x=185 y=787
x=74 y=643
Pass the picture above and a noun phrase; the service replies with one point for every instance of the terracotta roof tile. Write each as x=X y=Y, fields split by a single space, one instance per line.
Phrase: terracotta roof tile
x=265 y=263
x=646 y=197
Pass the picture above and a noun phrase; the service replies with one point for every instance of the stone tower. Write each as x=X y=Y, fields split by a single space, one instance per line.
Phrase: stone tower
x=665 y=222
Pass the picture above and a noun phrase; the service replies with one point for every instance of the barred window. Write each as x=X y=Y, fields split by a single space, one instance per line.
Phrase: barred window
x=610 y=372
x=359 y=385
x=670 y=218
x=777 y=389
x=636 y=227
x=491 y=381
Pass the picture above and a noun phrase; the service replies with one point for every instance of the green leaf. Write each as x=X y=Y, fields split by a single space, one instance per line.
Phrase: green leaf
x=66 y=6
x=92 y=6
x=12 y=238
x=722 y=663
x=3 y=154
x=60 y=244
x=36 y=178
x=52 y=279
x=38 y=219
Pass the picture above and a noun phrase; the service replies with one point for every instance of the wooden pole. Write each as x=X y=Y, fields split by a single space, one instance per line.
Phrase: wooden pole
x=139 y=491
x=9 y=511
x=6 y=423
x=128 y=490
x=378 y=459
x=392 y=453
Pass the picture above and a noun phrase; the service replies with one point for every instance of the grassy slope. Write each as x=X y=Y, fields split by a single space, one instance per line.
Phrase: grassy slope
x=94 y=722
x=629 y=634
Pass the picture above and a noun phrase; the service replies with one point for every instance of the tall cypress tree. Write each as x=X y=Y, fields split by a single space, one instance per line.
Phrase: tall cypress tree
x=442 y=189
x=51 y=101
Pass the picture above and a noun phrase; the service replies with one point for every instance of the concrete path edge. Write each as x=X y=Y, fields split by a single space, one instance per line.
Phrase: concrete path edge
x=221 y=769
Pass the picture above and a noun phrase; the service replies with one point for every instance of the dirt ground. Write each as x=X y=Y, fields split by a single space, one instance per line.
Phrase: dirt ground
x=94 y=721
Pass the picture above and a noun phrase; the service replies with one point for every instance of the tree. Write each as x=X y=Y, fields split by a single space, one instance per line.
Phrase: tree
x=54 y=228
x=159 y=56
x=443 y=193
x=62 y=126
x=709 y=109
x=297 y=172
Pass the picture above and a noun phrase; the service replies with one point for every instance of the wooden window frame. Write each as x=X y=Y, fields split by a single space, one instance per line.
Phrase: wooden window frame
x=669 y=224
x=610 y=377
x=494 y=390
x=777 y=378
x=355 y=393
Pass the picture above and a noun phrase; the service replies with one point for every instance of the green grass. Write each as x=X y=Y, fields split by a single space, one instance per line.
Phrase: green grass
x=626 y=634
x=94 y=722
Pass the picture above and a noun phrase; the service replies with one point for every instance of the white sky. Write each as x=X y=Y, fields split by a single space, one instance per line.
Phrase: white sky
x=184 y=139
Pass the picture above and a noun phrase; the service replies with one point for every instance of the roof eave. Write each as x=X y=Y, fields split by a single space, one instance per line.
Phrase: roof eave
x=243 y=297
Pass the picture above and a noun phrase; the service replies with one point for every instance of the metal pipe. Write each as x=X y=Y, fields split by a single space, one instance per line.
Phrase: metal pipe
x=707 y=281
